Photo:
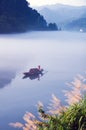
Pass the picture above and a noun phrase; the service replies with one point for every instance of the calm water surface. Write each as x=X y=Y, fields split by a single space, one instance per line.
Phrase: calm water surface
x=61 y=54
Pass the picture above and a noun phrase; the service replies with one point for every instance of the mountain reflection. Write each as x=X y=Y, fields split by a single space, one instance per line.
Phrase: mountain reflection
x=6 y=78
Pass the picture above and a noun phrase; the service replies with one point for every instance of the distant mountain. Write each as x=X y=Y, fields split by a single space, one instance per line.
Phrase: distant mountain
x=78 y=25
x=18 y=16
x=62 y=14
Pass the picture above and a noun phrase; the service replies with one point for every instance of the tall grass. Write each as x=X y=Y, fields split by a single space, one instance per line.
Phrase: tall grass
x=60 y=117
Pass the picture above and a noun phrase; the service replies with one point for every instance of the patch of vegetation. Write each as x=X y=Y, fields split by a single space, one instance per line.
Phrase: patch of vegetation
x=60 y=117
x=74 y=118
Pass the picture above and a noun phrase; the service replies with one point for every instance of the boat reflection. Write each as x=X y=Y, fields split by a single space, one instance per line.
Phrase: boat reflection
x=32 y=77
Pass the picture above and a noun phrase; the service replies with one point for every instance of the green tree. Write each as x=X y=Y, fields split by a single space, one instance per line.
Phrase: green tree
x=17 y=16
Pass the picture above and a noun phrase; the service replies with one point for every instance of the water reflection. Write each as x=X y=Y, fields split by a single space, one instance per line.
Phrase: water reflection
x=6 y=78
x=63 y=54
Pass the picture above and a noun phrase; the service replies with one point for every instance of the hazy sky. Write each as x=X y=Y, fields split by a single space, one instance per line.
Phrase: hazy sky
x=44 y=2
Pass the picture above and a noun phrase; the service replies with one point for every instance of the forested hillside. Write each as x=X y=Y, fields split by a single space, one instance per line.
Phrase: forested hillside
x=18 y=16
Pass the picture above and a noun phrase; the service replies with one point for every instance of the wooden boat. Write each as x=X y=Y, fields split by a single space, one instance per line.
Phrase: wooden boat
x=34 y=71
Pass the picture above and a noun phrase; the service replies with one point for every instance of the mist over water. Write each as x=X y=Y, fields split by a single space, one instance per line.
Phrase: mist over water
x=60 y=54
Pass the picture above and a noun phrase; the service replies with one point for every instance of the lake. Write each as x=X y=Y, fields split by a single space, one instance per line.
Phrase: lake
x=62 y=55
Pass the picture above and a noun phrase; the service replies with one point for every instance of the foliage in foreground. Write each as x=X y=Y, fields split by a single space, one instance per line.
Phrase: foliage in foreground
x=74 y=118
x=70 y=117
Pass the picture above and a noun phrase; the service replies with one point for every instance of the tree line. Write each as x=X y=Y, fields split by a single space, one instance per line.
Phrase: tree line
x=18 y=16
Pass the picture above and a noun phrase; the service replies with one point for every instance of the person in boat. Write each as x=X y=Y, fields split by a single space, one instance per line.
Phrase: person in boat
x=36 y=71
